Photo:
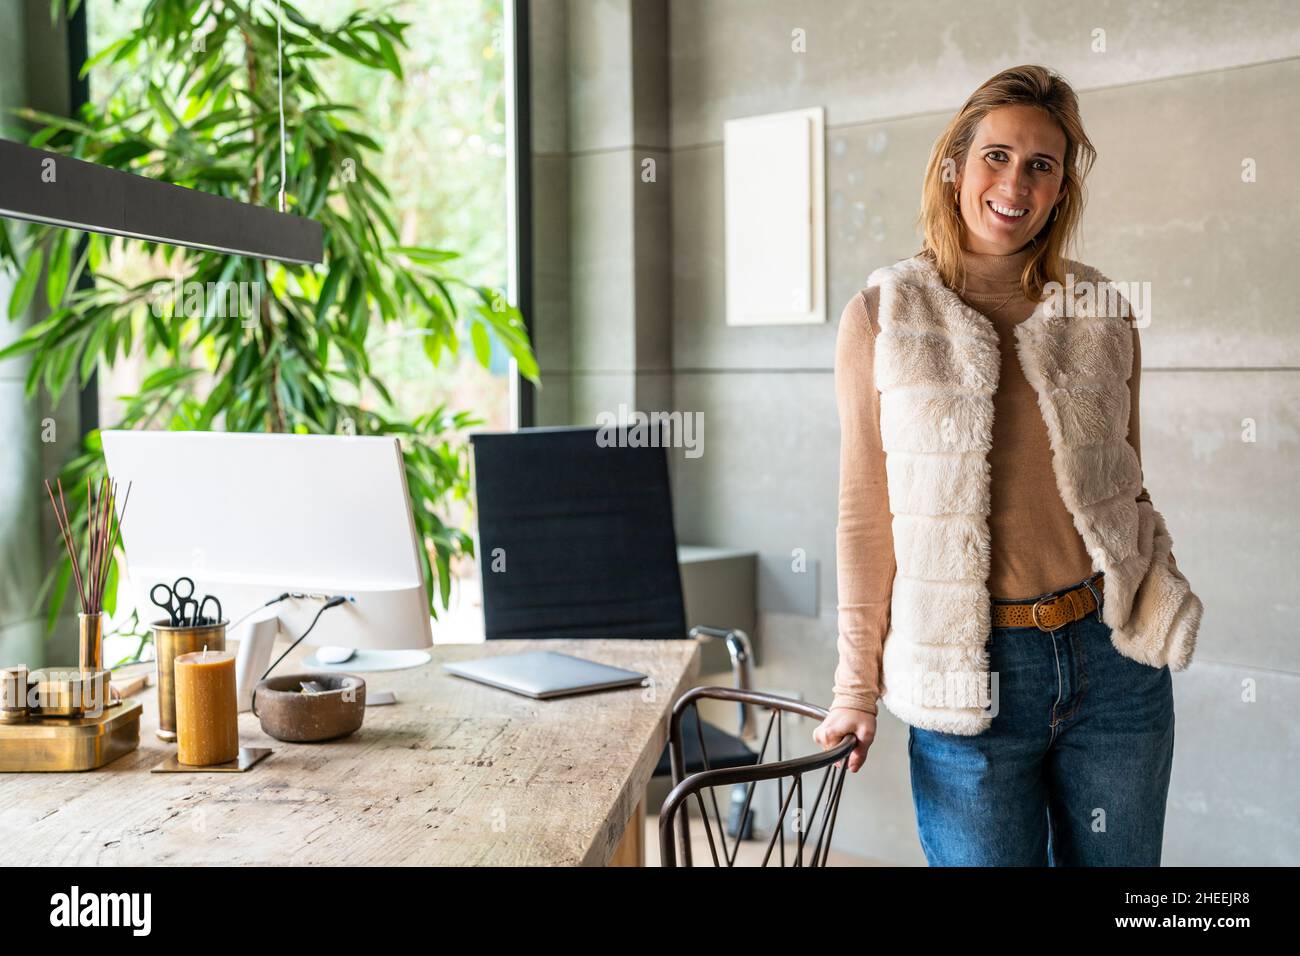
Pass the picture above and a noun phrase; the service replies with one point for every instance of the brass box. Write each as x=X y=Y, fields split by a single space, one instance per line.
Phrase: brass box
x=71 y=743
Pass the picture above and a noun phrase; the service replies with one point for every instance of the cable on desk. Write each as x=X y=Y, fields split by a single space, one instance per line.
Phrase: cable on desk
x=332 y=602
x=283 y=597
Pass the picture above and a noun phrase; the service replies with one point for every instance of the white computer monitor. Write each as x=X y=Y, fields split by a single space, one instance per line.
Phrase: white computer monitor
x=251 y=516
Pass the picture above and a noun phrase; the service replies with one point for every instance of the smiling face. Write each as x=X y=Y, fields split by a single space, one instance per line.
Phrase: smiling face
x=1012 y=179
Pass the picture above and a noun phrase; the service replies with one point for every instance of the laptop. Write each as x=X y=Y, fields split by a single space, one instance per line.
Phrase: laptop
x=544 y=674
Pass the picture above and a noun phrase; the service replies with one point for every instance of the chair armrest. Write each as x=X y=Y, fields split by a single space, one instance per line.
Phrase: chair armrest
x=742 y=661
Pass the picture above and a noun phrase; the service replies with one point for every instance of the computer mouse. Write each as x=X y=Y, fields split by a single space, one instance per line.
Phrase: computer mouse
x=335 y=655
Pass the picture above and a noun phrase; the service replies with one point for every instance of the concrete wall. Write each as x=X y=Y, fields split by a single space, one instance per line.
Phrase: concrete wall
x=33 y=72
x=1180 y=97
x=601 y=207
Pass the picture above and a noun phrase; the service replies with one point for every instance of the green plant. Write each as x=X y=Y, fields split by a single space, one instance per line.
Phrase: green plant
x=199 y=109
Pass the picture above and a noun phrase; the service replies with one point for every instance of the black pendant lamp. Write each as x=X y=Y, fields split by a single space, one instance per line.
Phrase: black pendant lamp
x=37 y=185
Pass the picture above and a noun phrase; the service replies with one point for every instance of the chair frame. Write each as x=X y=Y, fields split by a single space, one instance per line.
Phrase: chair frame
x=675 y=814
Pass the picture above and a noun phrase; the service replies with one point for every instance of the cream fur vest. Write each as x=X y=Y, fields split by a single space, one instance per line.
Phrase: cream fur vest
x=936 y=367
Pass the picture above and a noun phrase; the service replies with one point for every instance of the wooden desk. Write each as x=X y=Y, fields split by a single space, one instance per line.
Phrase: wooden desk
x=453 y=774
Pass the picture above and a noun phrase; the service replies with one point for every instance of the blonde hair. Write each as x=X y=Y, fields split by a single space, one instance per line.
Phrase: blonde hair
x=940 y=220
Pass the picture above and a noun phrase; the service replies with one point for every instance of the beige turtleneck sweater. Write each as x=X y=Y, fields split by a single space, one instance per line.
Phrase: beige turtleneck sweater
x=1035 y=546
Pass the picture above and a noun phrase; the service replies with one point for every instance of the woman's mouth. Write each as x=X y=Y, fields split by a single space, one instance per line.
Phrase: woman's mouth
x=1009 y=214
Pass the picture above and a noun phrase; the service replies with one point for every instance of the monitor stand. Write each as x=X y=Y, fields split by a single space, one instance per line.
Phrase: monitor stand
x=254 y=657
x=363 y=661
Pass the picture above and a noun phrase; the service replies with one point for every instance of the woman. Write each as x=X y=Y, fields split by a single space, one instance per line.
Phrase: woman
x=1006 y=586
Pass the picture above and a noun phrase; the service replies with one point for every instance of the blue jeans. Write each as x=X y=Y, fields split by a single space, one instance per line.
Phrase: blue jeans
x=1073 y=771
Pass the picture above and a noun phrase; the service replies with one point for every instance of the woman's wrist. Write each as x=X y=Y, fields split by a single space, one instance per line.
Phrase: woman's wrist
x=851 y=702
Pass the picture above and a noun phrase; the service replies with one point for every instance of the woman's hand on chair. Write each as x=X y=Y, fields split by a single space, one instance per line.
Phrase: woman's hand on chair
x=841 y=722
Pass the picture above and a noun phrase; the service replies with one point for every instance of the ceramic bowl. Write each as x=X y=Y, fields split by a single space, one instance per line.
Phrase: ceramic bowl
x=289 y=713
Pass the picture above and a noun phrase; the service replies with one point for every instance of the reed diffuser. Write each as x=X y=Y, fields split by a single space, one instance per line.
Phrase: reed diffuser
x=103 y=526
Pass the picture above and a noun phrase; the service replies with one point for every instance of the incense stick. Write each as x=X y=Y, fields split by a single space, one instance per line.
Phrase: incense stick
x=103 y=530
x=67 y=540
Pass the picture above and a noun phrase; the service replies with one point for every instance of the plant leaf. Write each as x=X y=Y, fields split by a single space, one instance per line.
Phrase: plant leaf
x=21 y=297
x=56 y=278
x=482 y=346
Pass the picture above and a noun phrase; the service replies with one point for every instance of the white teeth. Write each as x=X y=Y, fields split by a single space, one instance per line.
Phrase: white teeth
x=1008 y=211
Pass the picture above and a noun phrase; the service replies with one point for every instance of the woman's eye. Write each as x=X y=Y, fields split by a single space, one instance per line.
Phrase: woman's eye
x=1040 y=165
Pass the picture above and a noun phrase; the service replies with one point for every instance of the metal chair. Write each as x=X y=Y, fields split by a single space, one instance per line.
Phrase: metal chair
x=585 y=531
x=675 y=813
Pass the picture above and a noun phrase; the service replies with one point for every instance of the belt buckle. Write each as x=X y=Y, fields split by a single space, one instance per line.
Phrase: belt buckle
x=1033 y=614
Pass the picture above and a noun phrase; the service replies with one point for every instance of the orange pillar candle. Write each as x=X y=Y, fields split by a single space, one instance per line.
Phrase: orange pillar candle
x=207 y=712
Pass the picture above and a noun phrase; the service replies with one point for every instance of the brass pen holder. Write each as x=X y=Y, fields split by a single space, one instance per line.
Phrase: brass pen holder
x=169 y=643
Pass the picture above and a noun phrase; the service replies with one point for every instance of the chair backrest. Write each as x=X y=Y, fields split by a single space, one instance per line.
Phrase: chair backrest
x=811 y=816
x=575 y=537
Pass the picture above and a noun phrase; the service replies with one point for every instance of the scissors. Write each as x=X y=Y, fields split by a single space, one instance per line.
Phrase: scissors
x=175 y=602
x=202 y=620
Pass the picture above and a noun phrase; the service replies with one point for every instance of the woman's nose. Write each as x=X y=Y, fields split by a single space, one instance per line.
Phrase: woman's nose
x=1017 y=181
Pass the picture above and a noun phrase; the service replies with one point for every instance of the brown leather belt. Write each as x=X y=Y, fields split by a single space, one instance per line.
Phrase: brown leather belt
x=1047 y=614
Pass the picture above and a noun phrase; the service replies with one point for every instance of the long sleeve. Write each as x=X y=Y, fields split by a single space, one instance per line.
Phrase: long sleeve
x=865 y=562
x=1135 y=418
